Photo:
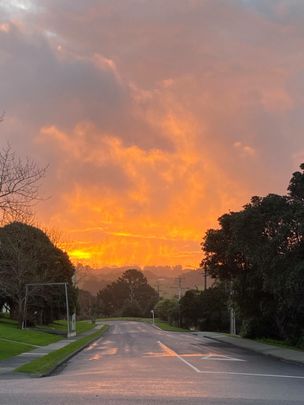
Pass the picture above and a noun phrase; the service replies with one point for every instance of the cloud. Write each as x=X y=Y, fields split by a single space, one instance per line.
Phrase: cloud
x=245 y=150
x=155 y=117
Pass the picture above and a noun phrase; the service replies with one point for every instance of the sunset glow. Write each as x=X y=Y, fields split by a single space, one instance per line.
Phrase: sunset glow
x=79 y=254
x=154 y=117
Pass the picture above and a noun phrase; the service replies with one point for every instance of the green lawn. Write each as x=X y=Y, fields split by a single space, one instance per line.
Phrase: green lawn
x=14 y=341
x=48 y=363
x=81 y=326
x=9 y=330
x=166 y=326
x=9 y=349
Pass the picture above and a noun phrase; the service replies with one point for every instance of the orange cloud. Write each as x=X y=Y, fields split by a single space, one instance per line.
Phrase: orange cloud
x=151 y=129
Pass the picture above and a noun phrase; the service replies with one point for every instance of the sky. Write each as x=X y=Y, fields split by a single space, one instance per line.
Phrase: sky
x=154 y=117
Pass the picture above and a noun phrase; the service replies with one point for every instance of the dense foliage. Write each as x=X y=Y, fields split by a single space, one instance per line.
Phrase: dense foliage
x=259 y=251
x=28 y=256
x=205 y=310
x=201 y=310
x=130 y=295
x=168 y=310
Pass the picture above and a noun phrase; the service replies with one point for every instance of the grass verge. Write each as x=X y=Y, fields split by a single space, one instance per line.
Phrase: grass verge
x=47 y=364
x=166 y=326
x=161 y=324
x=280 y=343
x=126 y=318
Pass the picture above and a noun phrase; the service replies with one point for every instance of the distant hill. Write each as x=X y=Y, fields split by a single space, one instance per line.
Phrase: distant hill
x=165 y=279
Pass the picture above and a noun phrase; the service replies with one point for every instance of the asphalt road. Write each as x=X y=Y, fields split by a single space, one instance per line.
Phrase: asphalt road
x=135 y=363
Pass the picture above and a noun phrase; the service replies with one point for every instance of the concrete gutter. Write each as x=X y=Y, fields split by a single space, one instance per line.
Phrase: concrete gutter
x=290 y=355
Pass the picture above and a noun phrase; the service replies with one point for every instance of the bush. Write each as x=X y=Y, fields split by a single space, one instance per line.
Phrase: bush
x=168 y=310
x=256 y=328
x=205 y=310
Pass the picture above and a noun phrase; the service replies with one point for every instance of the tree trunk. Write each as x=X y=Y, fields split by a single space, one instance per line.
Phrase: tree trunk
x=20 y=313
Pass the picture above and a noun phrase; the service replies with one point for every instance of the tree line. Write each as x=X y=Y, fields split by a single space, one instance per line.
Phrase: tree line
x=258 y=254
x=256 y=258
x=27 y=255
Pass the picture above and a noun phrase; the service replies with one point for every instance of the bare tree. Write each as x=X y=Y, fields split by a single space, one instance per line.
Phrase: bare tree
x=19 y=185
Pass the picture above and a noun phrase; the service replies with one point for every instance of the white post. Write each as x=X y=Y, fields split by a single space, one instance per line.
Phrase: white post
x=152 y=312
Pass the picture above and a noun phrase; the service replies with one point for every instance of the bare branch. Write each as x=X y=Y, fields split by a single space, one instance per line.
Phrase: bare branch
x=19 y=185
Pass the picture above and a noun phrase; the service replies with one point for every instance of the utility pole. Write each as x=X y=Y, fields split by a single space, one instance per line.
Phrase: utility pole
x=179 y=279
x=158 y=288
x=232 y=312
x=204 y=274
x=205 y=278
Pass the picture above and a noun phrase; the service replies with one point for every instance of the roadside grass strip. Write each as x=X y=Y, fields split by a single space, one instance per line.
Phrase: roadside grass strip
x=45 y=365
x=9 y=348
x=281 y=343
x=169 y=328
x=161 y=324
x=126 y=318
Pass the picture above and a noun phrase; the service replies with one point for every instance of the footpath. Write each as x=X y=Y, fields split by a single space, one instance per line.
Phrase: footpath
x=282 y=353
x=8 y=366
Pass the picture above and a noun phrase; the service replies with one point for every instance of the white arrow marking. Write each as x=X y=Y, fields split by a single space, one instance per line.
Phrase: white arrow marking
x=220 y=357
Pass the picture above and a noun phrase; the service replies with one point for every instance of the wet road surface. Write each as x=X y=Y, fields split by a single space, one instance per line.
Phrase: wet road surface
x=135 y=363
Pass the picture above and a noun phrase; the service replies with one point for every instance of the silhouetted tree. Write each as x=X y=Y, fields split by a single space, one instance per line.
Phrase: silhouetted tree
x=28 y=256
x=259 y=251
x=130 y=294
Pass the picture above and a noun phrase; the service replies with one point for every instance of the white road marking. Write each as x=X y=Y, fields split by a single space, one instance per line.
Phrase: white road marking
x=220 y=357
x=253 y=374
x=32 y=354
x=173 y=353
